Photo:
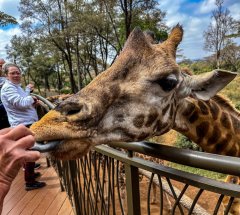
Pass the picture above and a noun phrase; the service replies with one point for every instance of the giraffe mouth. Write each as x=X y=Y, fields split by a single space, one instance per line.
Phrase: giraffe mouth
x=46 y=147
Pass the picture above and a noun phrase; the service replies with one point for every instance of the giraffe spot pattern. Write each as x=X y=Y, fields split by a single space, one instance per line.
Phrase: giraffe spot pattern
x=225 y=120
x=203 y=107
x=216 y=134
x=138 y=121
x=202 y=130
x=222 y=145
x=151 y=117
x=120 y=75
x=236 y=124
x=190 y=108
x=233 y=151
x=159 y=126
x=214 y=109
x=193 y=116
x=165 y=109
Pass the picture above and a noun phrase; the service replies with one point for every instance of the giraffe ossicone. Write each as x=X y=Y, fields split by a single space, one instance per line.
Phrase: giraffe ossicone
x=136 y=98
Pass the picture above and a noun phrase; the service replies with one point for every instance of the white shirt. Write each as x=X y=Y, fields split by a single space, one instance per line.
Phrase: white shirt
x=18 y=104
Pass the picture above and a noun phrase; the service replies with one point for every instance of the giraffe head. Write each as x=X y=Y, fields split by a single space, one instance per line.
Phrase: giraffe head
x=136 y=98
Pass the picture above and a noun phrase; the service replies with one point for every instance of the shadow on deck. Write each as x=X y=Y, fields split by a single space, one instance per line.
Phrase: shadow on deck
x=48 y=200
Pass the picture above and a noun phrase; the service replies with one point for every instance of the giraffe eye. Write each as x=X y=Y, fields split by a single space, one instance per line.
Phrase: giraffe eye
x=168 y=83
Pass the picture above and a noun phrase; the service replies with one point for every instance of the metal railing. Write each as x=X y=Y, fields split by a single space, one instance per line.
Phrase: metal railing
x=107 y=181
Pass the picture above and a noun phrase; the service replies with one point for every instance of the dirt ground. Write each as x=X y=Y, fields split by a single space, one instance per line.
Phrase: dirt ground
x=207 y=200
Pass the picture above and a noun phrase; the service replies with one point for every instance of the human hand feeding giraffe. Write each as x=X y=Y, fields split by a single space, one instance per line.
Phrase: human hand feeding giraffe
x=14 y=145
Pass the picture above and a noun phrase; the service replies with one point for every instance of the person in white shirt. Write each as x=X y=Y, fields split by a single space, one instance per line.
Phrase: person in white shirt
x=3 y=115
x=20 y=108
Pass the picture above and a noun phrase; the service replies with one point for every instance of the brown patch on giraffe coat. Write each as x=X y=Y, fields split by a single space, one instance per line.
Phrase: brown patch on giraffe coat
x=171 y=111
x=138 y=121
x=151 y=117
x=120 y=75
x=165 y=109
x=225 y=120
x=233 y=151
x=202 y=130
x=203 y=107
x=214 y=110
x=114 y=91
x=235 y=124
x=190 y=108
x=222 y=145
x=159 y=126
x=216 y=134
x=193 y=117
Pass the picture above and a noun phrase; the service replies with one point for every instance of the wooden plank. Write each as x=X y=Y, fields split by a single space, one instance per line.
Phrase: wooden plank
x=34 y=202
x=57 y=203
x=53 y=189
x=23 y=202
x=47 y=200
x=66 y=208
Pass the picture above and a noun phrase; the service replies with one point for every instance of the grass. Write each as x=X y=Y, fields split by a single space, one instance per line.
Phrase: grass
x=201 y=172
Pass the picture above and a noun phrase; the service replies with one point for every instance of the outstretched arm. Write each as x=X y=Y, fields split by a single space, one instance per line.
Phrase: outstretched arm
x=13 y=154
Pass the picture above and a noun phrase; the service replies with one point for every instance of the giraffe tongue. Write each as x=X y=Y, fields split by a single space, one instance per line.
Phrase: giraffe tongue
x=50 y=146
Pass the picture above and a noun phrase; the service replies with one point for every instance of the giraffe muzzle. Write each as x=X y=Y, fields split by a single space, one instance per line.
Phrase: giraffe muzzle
x=50 y=146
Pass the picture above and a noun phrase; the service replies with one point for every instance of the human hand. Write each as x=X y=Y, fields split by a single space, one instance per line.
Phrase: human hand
x=36 y=101
x=14 y=143
x=31 y=87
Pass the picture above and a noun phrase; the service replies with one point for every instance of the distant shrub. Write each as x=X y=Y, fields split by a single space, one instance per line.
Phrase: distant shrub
x=65 y=91
x=185 y=143
x=238 y=106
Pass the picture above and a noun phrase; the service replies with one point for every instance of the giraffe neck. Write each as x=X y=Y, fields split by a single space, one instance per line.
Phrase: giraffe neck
x=213 y=124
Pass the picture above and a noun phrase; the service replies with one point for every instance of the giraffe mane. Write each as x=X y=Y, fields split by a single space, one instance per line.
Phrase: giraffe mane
x=220 y=99
x=226 y=103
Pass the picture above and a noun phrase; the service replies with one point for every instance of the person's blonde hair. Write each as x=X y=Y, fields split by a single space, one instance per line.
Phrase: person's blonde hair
x=6 y=66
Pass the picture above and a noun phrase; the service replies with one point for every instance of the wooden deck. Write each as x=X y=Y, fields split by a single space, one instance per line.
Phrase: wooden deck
x=48 y=200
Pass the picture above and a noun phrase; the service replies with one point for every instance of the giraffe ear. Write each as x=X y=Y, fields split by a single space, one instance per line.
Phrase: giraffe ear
x=174 y=38
x=207 y=85
x=137 y=41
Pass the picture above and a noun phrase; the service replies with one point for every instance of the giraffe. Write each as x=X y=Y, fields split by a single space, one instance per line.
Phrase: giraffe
x=143 y=94
x=56 y=99
x=235 y=208
x=136 y=98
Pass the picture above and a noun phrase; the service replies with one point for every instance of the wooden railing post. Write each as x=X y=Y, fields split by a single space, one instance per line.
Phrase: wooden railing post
x=132 y=187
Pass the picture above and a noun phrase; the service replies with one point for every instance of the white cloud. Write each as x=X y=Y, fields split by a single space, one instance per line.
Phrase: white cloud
x=193 y=25
x=5 y=37
x=10 y=7
x=235 y=10
x=207 y=6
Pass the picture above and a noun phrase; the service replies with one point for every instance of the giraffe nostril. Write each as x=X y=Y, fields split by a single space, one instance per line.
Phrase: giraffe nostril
x=73 y=111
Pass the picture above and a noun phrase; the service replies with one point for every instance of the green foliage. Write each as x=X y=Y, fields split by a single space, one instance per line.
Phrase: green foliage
x=238 y=106
x=201 y=172
x=65 y=91
x=6 y=19
x=197 y=67
x=185 y=143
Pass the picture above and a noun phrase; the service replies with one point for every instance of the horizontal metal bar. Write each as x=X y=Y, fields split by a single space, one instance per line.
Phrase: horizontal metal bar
x=203 y=160
x=185 y=177
x=48 y=103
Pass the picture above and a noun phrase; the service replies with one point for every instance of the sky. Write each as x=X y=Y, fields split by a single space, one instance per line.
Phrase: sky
x=193 y=15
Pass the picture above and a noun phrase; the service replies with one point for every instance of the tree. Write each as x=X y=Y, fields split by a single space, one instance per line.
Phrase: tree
x=82 y=37
x=216 y=35
x=6 y=19
x=231 y=57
